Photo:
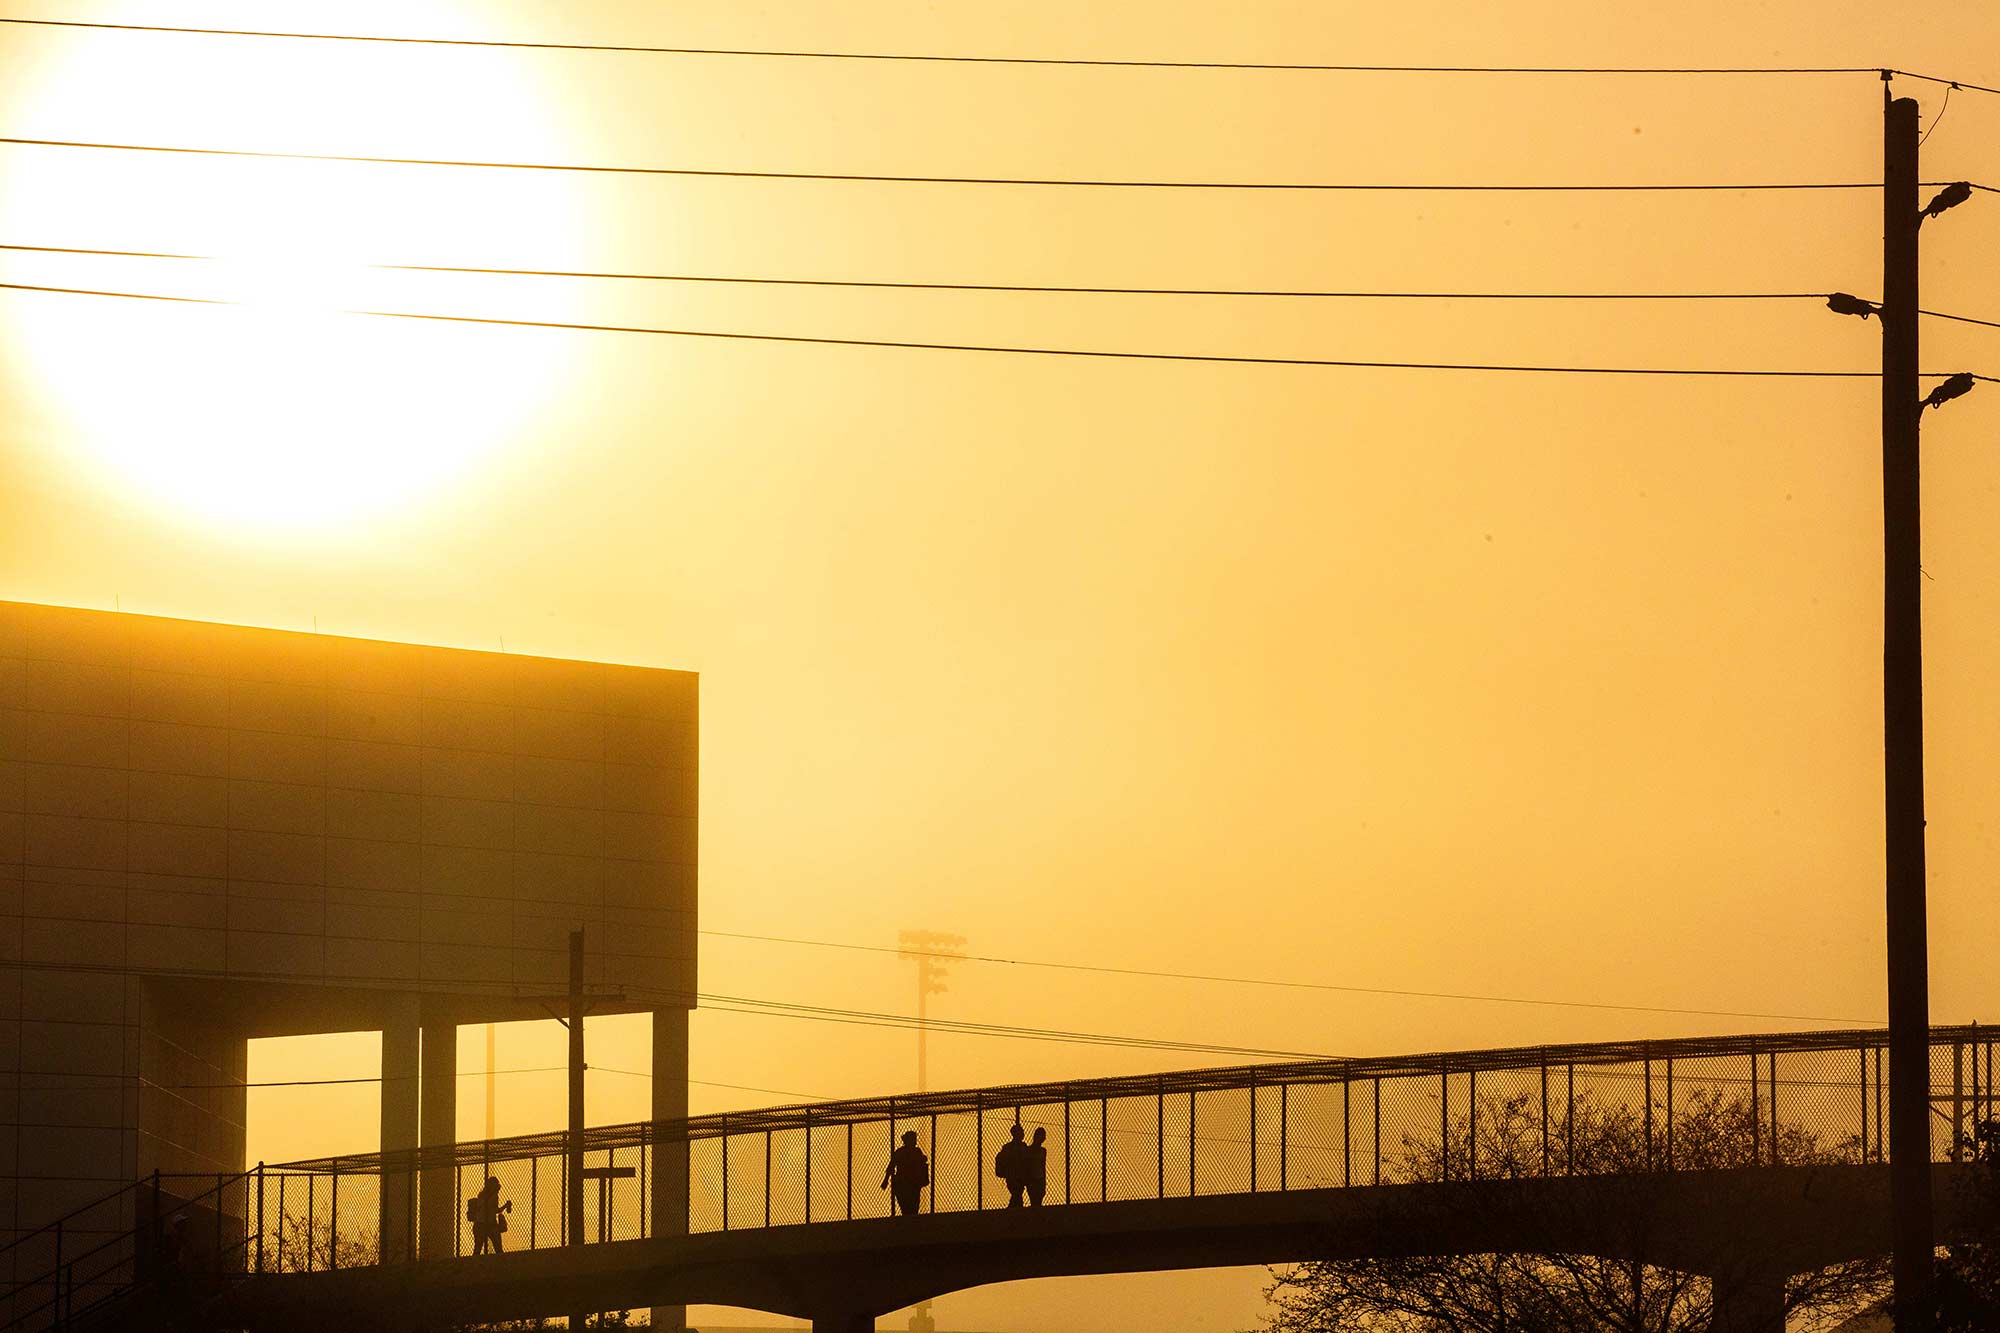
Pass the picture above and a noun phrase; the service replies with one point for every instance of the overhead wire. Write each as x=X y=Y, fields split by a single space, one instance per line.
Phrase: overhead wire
x=1274 y=982
x=1938 y=119
x=1034 y=288
x=1961 y=319
x=1050 y=288
x=737 y=1087
x=796 y=54
x=1058 y=289
x=905 y=1022
x=910 y=345
x=1933 y=78
x=378 y=1078
x=723 y=173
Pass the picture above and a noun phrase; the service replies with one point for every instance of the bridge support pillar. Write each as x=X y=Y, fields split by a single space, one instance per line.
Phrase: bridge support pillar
x=1749 y=1303
x=437 y=1190
x=669 y=1182
x=401 y=1043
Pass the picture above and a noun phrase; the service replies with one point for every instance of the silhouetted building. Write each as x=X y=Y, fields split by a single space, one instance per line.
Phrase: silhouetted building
x=210 y=833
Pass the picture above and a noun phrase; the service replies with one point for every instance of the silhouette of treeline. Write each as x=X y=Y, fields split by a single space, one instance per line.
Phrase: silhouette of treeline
x=1503 y=1137
x=1707 y=1129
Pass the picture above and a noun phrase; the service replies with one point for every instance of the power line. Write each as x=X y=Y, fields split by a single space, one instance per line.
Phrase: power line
x=320 y=1082
x=943 y=59
x=806 y=340
x=63 y=1078
x=474 y=1073
x=885 y=178
x=935 y=1025
x=1295 y=985
x=1039 y=288
x=904 y=1022
x=714 y=1003
x=377 y=1078
x=726 y=1004
x=707 y=1083
x=973 y=286
x=1962 y=319
x=1950 y=83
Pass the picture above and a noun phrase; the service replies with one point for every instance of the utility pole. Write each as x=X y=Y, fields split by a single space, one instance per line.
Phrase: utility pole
x=1903 y=699
x=1903 y=723
x=574 y=1183
x=928 y=949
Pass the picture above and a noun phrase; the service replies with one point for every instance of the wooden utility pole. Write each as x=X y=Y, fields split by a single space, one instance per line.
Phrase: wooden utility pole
x=573 y=1203
x=1903 y=724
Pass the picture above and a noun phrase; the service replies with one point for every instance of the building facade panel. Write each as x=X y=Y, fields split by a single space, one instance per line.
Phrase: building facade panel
x=211 y=832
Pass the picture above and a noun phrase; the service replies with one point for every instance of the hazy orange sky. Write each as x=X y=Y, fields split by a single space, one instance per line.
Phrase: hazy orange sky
x=1541 y=686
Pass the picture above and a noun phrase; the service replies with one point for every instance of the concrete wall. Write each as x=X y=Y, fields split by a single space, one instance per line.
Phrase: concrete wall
x=209 y=833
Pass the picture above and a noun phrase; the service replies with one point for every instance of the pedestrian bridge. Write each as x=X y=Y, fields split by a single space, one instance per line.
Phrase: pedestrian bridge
x=1744 y=1158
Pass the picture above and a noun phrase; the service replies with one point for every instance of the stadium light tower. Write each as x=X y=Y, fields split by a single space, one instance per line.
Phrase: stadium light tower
x=929 y=950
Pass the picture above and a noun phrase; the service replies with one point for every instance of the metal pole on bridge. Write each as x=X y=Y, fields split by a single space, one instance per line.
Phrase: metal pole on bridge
x=573 y=1204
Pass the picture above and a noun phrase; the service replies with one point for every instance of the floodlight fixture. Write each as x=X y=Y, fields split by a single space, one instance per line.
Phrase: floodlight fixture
x=1954 y=387
x=1841 y=303
x=1951 y=196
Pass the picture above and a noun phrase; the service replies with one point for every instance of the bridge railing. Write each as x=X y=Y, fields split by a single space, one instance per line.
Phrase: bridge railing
x=1668 y=1105
x=61 y=1272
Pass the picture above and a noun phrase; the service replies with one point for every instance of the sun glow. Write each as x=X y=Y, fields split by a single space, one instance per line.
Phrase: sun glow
x=284 y=410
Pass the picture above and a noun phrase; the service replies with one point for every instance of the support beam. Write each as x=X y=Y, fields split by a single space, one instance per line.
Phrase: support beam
x=401 y=1046
x=1749 y=1303
x=667 y=1200
x=438 y=1208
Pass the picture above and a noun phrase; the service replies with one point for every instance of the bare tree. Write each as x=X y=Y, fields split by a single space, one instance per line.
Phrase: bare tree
x=1548 y=1289
x=1968 y=1271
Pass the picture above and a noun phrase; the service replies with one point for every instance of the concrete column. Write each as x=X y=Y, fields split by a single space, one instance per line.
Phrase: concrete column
x=667 y=1200
x=439 y=1209
x=401 y=1044
x=1749 y=1302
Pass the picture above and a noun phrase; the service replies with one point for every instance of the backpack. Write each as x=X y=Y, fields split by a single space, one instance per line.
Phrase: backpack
x=472 y=1209
x=1006 y=1162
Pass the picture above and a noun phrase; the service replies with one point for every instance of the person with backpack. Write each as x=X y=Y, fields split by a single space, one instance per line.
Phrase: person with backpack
x=1011 y=1166
x=910 y=1171
x=488 y=1217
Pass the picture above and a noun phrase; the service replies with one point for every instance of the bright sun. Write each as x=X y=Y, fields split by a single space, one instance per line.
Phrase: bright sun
x=282 y=413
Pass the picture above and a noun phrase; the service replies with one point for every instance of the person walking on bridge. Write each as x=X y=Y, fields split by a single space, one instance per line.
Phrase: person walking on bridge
x=488 y=1217
x=910 y=1171
x=1035 y=1167
x=1011 y=1165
